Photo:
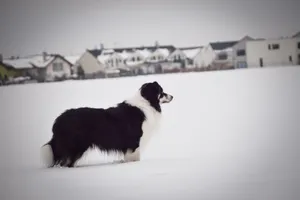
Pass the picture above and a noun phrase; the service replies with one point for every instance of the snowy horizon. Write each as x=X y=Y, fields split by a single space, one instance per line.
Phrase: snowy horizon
x=227 y=135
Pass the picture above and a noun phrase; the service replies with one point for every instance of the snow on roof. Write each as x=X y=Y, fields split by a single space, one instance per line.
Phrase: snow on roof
x=107 y=51
x=18 y=63
x=163 y=51
x=39 y=61
x=145 y=53
x=191 y=53
x=124 y=54
x=28 y=62
x=72 y=59
x=103 y=58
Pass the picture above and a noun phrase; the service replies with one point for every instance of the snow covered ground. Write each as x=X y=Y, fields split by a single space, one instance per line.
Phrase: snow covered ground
x=228 y=135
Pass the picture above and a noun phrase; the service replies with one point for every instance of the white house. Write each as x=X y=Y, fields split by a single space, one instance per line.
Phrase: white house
x=159 y=55
x=43 y=67
x=110 y=63
x=177 y=54
x=273 y=52
x=90 y=65
x=115 y=60
x=135 y=59
x=193 y=57
x=239 y=54
x=73 y=59
x=222 y=54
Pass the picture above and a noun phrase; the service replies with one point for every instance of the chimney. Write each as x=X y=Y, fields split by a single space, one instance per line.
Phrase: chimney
x=1 y=57
x=44 y=56
x=156 y=44
x=101 y=46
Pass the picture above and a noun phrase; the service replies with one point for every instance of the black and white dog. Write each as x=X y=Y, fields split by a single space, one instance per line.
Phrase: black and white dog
x=125 y=128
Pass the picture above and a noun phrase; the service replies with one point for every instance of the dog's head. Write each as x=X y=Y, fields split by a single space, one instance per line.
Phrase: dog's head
x=155 y=94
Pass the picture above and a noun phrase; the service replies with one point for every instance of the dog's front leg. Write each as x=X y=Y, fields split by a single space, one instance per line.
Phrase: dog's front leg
x=132 y=156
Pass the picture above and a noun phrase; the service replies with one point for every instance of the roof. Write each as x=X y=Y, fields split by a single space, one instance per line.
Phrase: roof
x=40 y=62
x=191 y=47
x=6 y=65
x=145 y=53
x=124 y=54
x=171 y=48
x=97 y=52
x=19 y=63
x=32 y=61
x=247 y=37
x=103 y=58
x=296 y=35
x=222 y=45
x=192 y=52
x=72 y=59
x=163 y=51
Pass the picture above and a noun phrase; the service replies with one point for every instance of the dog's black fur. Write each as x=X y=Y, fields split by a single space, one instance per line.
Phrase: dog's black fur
x=113 y=129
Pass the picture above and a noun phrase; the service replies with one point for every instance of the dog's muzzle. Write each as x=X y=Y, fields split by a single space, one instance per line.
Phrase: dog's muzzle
x=166 y=98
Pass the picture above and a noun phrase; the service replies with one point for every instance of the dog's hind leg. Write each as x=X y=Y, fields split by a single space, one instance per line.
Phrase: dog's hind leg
x=74 y=158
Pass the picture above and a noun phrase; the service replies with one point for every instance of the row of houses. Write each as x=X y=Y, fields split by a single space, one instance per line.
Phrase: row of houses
x=101 y=62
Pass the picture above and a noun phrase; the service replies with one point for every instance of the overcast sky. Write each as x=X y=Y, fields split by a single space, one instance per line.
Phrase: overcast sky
x=71 y=26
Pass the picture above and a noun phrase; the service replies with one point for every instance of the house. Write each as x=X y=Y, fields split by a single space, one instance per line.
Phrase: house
x=45 y=67
x=22 y=65
x=193 y=57
x=7 y=72
x=110 y=62
x=131 y=60
x=146 y=59
x=222 y=54
x=88 y=66
x=273 y=52
x=297 y=39
x=239 y=53
x=73 y=59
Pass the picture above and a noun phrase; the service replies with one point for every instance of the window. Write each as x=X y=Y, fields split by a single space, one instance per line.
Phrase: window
x=241 y=52
x=57 y=67
x=290 y=59
x=298 y=45
x=273 y=46
x=222 y=56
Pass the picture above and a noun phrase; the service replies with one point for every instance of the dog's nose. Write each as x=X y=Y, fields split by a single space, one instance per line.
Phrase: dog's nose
x=171 y=97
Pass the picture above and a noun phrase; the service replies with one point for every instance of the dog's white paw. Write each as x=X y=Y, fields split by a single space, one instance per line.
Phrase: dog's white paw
x=132 y=156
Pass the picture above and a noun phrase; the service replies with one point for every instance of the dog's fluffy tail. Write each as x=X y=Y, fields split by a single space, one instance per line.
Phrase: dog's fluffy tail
x=47 y=155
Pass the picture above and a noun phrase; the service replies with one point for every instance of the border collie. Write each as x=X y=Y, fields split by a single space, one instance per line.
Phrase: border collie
x=125 y=128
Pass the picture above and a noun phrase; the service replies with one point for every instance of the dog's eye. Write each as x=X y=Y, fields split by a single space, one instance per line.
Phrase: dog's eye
x=160 y=95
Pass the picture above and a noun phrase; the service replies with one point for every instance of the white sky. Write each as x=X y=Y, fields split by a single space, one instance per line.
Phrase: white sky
x=71 y=26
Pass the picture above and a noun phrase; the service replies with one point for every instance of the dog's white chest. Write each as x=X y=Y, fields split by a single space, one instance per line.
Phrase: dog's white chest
x=152 y=121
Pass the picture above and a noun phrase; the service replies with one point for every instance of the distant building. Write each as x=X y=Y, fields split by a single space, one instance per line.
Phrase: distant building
x=223 y=54
x=193 y=57
x=273 y=52
x=45 y=67
x=239 y=54
x=132 y=60
x=88 y=65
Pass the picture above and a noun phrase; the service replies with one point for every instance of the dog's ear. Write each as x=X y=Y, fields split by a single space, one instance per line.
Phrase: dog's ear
x=144 y=85
x=155 y=83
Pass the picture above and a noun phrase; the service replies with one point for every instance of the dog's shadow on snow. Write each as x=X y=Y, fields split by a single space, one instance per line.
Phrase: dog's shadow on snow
x=99 y=164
